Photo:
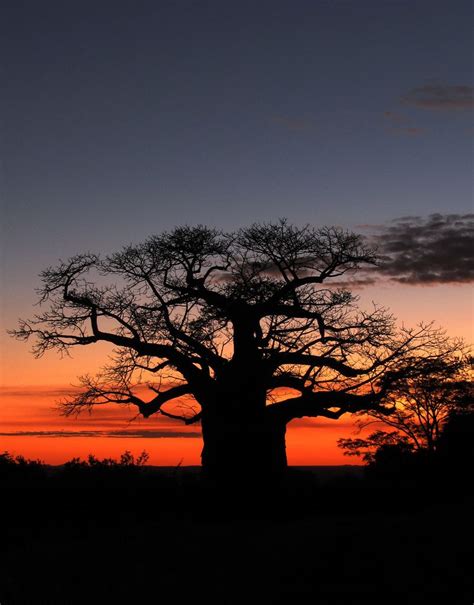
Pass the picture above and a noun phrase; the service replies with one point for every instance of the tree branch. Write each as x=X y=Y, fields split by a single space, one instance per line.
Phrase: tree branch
x=153 y=406
x=322 y=403
x=320 y=361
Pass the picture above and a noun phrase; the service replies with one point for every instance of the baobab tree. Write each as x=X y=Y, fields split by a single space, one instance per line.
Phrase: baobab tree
x=245 y=326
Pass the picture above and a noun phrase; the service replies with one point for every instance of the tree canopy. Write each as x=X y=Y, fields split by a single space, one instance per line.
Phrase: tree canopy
x=424 y=396
x=257 y=323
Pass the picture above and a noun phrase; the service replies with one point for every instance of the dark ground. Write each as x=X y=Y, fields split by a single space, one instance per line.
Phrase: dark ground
x=302 y=543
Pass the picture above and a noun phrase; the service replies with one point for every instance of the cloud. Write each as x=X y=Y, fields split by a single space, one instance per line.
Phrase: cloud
x=134 y=434
x=440 y=96
x=400 y=124
x=37 y=391
x=438 y=249
x=293 y=124
x=323 y=423
x=356 y=283
x=395 y=117
x=415 y=250
x=408 y=130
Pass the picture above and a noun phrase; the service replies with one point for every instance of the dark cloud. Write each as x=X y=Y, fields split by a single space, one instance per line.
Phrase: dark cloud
x=439 y=96
x=135 y=434
x=438 y=249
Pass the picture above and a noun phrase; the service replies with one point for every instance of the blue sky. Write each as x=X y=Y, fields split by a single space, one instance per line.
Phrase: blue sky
x=123 y=119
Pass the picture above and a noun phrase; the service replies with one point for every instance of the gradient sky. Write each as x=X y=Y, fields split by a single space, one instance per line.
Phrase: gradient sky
x=123 y=119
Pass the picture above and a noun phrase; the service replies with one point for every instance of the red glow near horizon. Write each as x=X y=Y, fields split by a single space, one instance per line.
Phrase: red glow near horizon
x=28 y=404
x=31 y=410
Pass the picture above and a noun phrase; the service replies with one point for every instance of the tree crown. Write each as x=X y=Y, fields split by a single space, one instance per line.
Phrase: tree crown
x=196 y=310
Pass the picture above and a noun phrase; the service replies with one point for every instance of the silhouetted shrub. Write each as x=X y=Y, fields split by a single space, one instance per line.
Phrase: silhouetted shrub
x=19 y=470
x=107 y=472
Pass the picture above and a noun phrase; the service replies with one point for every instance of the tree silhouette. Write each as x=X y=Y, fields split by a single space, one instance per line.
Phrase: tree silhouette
x=424 y=394
x=455 y=447
x=246 y=330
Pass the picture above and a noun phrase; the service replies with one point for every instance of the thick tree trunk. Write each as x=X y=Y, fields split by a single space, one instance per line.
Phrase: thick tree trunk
x=249 y=448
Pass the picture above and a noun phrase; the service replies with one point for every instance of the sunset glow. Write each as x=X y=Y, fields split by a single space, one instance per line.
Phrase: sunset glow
x=31 y=426
x=225 y=117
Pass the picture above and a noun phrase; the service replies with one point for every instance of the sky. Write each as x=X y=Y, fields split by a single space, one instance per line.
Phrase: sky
x=123 y=120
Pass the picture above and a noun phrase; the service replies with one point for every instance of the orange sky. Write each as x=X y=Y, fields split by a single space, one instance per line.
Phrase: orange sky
x=31 y=387
x=50 y=437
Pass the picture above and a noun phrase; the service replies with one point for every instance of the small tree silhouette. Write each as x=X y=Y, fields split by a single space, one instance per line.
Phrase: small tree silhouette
x=425 y=395
x=224 y=324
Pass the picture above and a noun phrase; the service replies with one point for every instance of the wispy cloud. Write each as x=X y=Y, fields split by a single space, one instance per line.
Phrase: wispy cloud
x=135 y=434
x=440 y=97
x=438 y=249
x=323 y=423
x=400 y=124
x=394 y=117
x=39 y=391
x=292 y=123
x=408 y=130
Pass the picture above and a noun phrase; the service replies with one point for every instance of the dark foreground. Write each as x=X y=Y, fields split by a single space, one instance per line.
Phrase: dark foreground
x=183 y=541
